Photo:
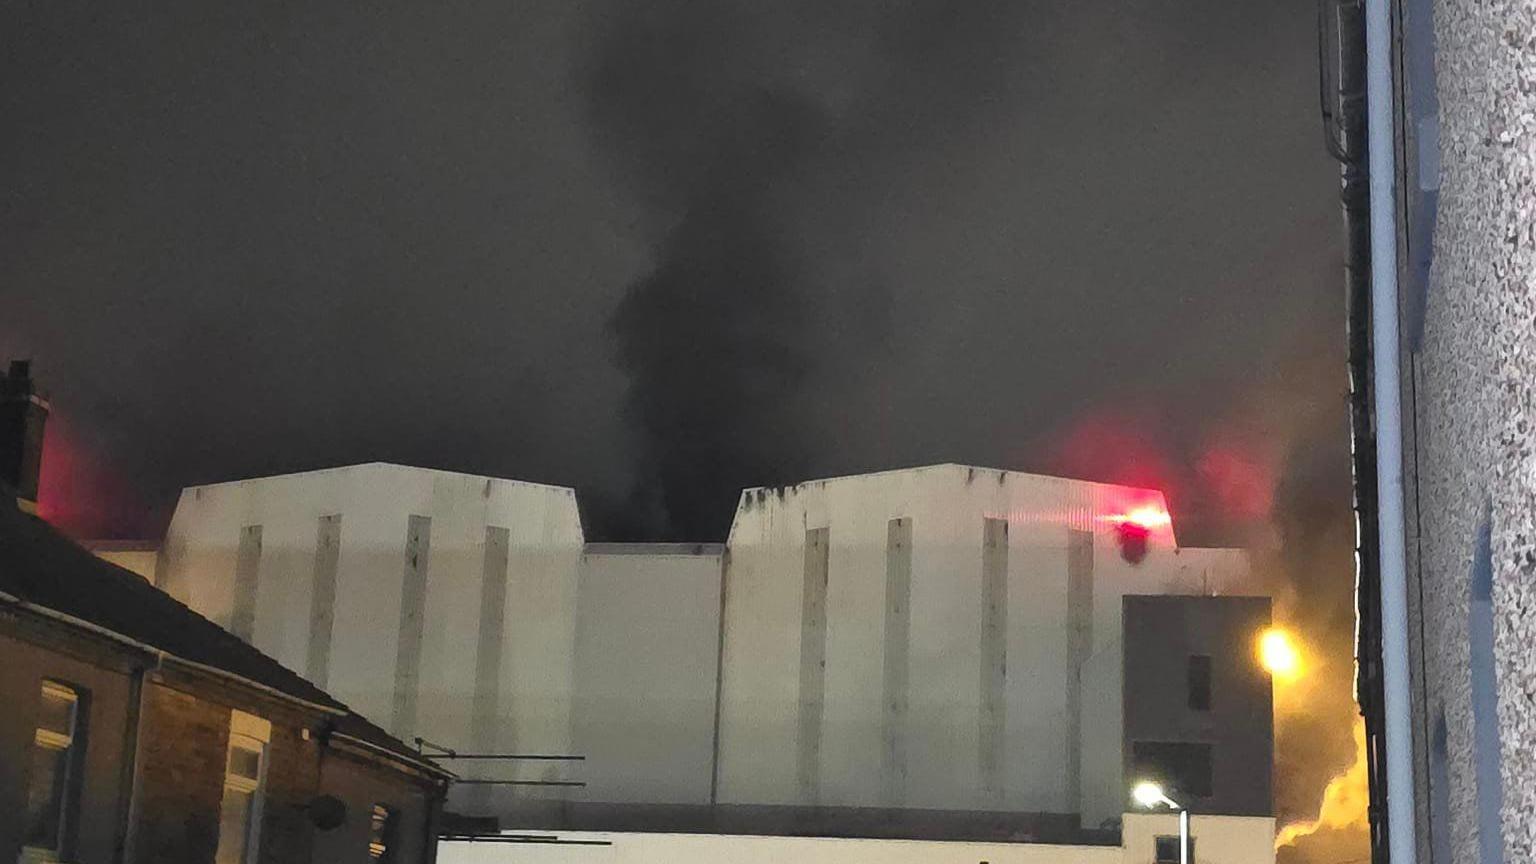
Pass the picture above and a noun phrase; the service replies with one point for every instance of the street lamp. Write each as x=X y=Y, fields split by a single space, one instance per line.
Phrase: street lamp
x=1149 y=795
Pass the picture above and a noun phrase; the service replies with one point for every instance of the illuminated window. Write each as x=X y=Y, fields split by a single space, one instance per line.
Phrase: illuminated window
x=57 y=746
x=381 y=830
x=244 y=778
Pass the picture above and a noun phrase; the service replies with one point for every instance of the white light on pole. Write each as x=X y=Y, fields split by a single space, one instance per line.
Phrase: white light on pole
x=1150 y=795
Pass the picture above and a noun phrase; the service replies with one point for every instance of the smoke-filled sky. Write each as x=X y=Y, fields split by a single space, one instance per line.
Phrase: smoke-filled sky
x=660 y=251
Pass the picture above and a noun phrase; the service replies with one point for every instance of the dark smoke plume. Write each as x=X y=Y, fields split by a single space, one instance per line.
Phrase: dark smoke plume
x=723 y=119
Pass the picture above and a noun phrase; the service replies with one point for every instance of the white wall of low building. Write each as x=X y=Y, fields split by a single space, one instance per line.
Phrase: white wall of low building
x=1217 y=839
x=673 y=848
x=376 y=503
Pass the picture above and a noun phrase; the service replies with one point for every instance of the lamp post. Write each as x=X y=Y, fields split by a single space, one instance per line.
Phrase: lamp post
x=1150 y=795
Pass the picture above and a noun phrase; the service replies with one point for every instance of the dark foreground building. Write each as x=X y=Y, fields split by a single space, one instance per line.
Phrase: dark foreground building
x=135 y=730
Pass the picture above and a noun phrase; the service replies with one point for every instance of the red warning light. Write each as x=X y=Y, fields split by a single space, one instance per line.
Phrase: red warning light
x=1146 y=518
x=1135 y=526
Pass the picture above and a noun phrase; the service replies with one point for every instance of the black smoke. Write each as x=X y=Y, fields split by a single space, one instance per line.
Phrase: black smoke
x=727 y=121
x=715 y=338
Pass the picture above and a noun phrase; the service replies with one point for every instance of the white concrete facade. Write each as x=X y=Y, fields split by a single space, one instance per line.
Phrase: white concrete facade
x=939 y=638
x=939 y=738
x=1217 y=840
x=487 y=539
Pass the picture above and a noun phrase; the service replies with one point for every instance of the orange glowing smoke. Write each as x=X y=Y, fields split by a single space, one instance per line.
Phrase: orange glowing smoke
x=1345 y=800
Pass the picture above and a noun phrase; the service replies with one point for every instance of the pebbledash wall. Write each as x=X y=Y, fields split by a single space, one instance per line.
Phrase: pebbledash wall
x=937 y=638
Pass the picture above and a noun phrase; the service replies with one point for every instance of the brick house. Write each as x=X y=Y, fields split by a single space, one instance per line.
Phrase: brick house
x=134 y=730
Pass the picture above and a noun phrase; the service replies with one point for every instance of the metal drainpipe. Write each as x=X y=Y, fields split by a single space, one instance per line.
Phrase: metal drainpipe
x=1389 y=430
x=136 y=781
x=436 y=801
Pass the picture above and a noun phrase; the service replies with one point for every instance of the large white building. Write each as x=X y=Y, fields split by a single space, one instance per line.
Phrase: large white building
x=441 y=605
x=902 y=654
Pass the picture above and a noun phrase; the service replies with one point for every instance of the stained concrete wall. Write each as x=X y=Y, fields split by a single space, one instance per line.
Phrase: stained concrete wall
x=647 y=638
x=398 y=533
x=940 y=736
x=941 y=638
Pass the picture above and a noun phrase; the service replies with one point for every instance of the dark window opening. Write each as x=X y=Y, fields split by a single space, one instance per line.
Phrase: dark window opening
x=53 y=786
x=1167 y=849
x=1199 y=682
x=1182 y=767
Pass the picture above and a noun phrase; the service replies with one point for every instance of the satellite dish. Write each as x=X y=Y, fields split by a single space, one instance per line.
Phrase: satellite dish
x=327 y=812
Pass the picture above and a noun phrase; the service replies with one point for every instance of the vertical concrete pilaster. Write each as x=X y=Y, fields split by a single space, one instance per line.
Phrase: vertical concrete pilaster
x=897 y=659
x=322 y=604
x=413 y=596
x=1079 y=646
x=486 y=722
x=242 y=616
x=813 y=666
x=994 y=659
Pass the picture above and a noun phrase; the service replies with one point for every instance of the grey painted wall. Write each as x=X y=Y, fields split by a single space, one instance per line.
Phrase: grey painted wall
x=1161 y=634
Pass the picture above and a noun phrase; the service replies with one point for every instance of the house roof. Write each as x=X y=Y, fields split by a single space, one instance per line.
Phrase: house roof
x=42 y=567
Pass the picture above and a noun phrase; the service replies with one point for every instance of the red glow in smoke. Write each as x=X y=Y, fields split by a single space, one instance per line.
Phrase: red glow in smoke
x=1225 y=483
x=1112 y=447
x=1239 y=479
x=77 y=492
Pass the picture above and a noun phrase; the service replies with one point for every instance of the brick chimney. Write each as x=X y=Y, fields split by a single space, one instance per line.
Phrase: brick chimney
x=22 y=415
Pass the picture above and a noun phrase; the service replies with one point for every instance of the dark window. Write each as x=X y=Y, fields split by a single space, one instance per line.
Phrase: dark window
x=1199 y=680
x=1183 y=767
x=1167 y=850
x=57 y=748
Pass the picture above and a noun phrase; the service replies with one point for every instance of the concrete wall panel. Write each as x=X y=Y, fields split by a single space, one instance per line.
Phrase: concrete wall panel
x=644 y=706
